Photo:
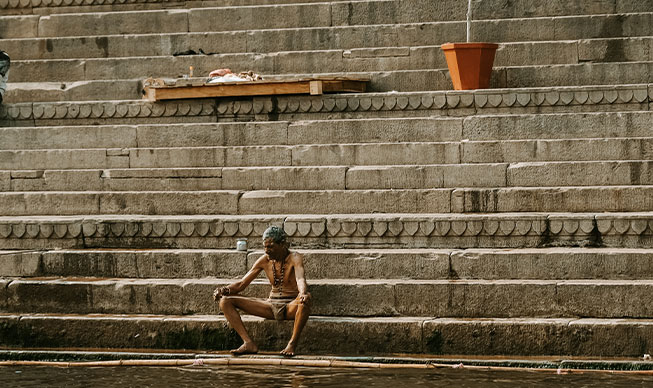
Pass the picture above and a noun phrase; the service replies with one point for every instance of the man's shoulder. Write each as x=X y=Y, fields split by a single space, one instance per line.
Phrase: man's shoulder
x=296 y=256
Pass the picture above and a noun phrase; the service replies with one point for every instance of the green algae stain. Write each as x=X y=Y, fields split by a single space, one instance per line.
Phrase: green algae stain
x=435 y=342
x=199 y=338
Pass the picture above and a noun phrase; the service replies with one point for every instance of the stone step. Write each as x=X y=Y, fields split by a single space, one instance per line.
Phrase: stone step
x=382 y=77
x=40 y=7
x=139 y=53
x=327 y=15
x=266 y=202
x=607 y=98
x=481 y=10
x=18 y=92
x=335 y=335
x=265 y=178
x=465 y=154
x=495 y=175
x=407 y=230
x=346 y=297
x=346 y=335
x=420 y=264
x=340 y=141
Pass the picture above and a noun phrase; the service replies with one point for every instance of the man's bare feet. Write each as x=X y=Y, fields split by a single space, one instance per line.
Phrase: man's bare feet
x=245 y=348
x=289 y=351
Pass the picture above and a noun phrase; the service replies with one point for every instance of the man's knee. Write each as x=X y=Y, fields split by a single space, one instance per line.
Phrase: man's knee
x=226 y=301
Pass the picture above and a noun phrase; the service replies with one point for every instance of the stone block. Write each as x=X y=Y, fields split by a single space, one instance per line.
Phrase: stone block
x=618 y=298
x=309 y=61
x=198 y=296
x=375 y=130
x=355 y=298
x=284 y=178
x=5 y=181
x=394 y=177
x=557 y=126
x=580 y=174
x=594 y=336
x=117 y=136
x=552 y=263
x=90 y=24
x=410 y=11
x=44 y=159
x=631 y=49
x=60 y=180
x=187 y=203
x=375 y=154
x=474 y=175
x=626 y=6
x=145 y=264
x=536 y=53
x=363 y=336
x=131 y=296
x=602 y=26
x=49 y=296
x=372 y=264
x=260 y=17
x=162 y=184
x=567 y=199
x=43 y=203
x=23 y=264
x=182 y=135
x=61 y=70
x=476 y=299
x=350 y=201
x=257 y=156
x=527 y=336
x=176 y=157
x=576 y=75
x=556 y=150
x=19 y=26
x=528 y=9
x=514 y=30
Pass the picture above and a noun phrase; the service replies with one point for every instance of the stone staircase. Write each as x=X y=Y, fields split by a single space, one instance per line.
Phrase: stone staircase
x=516 y=220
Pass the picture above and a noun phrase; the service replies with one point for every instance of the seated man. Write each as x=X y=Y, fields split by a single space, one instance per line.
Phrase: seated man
x=4 y=73
x=289 y=297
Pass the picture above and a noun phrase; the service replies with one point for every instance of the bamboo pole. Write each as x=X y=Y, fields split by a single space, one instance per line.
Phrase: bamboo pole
x=233 y=361
x=469 y=21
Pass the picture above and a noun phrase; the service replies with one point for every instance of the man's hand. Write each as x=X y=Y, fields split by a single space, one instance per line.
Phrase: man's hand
x=305 y=298
x=220 y=292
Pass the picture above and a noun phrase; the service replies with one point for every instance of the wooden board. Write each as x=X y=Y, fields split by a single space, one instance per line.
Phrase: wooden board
x=192 y=89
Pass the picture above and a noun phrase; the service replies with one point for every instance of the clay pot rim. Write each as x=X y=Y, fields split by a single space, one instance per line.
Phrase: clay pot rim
x=470 y=45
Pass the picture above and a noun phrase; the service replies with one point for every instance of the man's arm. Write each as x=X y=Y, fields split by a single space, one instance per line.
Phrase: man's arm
x=235 y=288
x=302 y=286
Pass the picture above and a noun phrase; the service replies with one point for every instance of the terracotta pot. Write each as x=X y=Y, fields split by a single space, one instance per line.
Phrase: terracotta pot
x=470 y=64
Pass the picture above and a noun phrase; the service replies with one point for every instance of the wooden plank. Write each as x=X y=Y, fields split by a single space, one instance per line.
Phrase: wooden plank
x=315 y=86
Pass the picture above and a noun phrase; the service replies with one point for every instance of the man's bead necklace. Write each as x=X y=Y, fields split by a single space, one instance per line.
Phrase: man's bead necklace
x=278 y=282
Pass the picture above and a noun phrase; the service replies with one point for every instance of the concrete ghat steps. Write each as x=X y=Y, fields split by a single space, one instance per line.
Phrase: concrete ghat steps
x=562 y=263
x=265 y=202
x=293 y=16
x=343 y=106
x=341 y=335
x=270 y=160
x=346 y=138
x=482 y=175
x=40 y=7
x=420 y=50
x=381 y=79
x=497 y=230
x=348 y=297
x=481 y=10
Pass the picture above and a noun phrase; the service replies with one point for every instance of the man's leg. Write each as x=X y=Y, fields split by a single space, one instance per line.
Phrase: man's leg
x=257 y=307
x=299 y=311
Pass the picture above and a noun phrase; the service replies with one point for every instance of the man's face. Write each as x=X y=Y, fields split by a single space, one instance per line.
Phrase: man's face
x=274 y=250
